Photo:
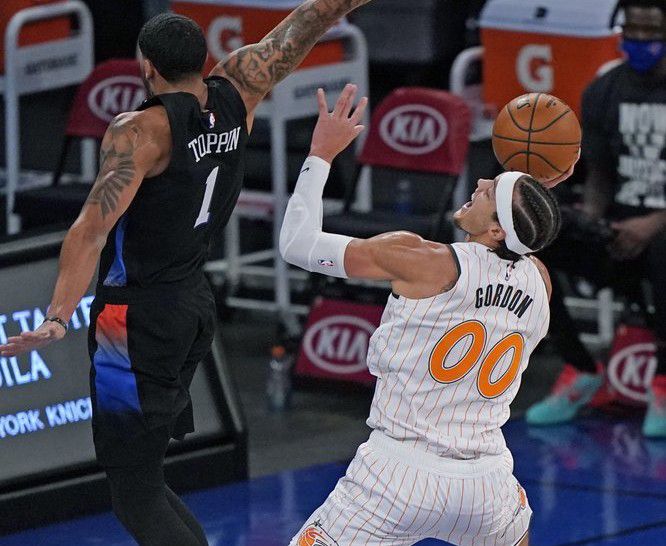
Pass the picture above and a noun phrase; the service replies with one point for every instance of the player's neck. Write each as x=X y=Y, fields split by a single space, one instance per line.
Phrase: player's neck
x=194 y=86
x=482 y=239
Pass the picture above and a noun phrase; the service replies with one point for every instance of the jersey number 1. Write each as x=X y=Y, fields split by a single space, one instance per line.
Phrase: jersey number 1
x=204 y=213
x=488 y=388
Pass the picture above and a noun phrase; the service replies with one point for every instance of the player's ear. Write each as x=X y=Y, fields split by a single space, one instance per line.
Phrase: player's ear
x=497 y=234
x=148 y=69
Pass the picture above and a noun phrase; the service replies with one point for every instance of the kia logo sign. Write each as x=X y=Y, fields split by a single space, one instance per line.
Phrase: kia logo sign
x=631 y=370
x=339 y=344
x=116 y=95
x=414 y=129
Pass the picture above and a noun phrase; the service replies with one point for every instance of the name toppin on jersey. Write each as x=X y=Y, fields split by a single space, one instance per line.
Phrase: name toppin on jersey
x=214 y=143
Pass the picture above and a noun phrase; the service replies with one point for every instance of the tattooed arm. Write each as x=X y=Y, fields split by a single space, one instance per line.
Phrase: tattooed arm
x=257 y=68
x=128 y=153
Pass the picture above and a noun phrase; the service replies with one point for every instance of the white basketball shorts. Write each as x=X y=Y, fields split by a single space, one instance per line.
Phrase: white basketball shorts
x=395 y=495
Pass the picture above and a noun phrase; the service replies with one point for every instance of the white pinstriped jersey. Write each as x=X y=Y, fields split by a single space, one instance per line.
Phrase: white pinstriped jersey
x=448 y=366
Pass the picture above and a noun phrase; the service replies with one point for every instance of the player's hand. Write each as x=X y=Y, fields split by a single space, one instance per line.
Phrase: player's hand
x=47 y=333
x=550 y=184
x=338 y=129
x=633 y=236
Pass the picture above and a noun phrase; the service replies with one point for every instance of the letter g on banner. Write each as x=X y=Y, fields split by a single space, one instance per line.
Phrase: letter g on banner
x=225 y=34
x=534 y=69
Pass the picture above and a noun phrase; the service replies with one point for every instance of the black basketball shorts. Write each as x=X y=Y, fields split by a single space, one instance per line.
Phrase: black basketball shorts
x=144 y=352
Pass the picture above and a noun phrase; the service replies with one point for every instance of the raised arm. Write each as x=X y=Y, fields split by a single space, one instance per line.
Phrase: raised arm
x=255 y=69
x=128 y=153
x=416 y=268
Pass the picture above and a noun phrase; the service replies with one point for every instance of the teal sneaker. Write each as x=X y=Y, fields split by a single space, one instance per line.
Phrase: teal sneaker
x=654 y=425
x=572 y=391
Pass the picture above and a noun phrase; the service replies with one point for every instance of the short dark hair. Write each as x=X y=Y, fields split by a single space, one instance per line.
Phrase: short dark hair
x=536 y=217
x=175 y=45
x=624 y=4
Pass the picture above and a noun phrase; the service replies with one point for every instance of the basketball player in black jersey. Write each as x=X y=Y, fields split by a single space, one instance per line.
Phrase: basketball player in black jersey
x=170 y=174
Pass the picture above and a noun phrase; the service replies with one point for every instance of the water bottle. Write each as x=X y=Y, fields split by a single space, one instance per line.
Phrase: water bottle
x=278 y=385
x=404 y=202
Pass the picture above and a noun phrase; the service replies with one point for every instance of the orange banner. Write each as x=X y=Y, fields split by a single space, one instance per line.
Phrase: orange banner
x=516 y=63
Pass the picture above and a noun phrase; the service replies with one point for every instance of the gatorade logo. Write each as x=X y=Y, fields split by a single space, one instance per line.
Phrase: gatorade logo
x=116 y=95
x=339 y=344
x=631 y=370
x=225 y=34
x=534 y=68
x=413 y=129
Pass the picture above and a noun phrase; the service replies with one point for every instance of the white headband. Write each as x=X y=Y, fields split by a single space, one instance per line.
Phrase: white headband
x=504 y=202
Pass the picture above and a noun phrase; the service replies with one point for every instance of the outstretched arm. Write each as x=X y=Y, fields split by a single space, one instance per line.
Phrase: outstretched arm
x=416 y=267
x=255 y=69
x=127 y=154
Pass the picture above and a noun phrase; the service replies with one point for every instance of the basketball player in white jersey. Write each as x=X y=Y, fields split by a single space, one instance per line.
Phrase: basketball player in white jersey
x=455 y=337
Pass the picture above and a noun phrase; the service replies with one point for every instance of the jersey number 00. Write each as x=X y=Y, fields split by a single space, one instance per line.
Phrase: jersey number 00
x=473 y=328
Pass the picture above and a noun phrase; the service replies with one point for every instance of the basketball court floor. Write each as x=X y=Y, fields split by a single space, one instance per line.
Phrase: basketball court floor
x=596 y=482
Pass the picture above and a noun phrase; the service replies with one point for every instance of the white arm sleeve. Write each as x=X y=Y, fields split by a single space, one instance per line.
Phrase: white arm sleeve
x=302 y=242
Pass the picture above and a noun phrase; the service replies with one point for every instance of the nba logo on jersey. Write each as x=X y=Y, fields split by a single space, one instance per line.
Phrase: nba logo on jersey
x=211 y=120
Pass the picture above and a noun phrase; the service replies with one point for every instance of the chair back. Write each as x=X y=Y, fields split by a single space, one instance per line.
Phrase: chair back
x=420 y=130
x=417 y=146
x=422 y=193
x=114 y=87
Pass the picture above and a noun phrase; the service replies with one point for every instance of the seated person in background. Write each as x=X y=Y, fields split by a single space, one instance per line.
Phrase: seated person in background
x=624 y=144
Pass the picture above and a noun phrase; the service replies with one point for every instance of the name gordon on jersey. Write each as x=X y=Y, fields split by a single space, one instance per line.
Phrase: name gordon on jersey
x=214 y=143
x=504 y=297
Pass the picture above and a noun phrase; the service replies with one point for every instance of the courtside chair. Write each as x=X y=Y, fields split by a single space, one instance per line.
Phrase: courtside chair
x=113 y=87
x=413 y=156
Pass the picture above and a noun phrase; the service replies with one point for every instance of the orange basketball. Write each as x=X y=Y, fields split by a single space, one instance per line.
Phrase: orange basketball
x=537 y=134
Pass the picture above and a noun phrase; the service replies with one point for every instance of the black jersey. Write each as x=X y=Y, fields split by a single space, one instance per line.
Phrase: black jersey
x=164 y=235
x=624 y=131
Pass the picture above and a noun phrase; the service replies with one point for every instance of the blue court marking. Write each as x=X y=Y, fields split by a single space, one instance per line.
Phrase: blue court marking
x=596 y=483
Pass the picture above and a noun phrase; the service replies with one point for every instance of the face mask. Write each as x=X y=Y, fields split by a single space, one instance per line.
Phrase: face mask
x=644 y=55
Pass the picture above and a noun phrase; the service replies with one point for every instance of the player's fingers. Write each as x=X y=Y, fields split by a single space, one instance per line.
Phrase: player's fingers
x=33 y=336
x=10 y=349
x=349 y=104
x=342 y=100
x=358 y=130
x=360 y=111
x=321 y=100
